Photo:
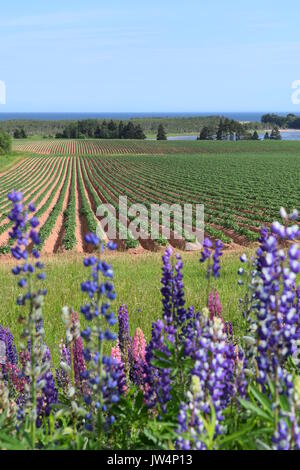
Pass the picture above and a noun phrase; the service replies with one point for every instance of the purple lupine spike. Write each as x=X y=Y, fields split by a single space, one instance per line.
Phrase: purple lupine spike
x=191 y=429
x=102 y=391
x=62 y=377
x=157 y=388
x=78 y=358
x=10 y=348
x=216 y=259
x=174 y=312
x=124 y=338
x=276 y=307
x=213 y=266
x=214 y=363
x=47 y=398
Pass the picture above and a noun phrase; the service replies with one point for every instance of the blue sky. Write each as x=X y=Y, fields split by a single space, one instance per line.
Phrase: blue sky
x=158 y=55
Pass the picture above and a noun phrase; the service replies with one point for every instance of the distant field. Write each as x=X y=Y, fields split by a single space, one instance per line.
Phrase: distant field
x=143 y=147
x=101 y=147
x=242 y=186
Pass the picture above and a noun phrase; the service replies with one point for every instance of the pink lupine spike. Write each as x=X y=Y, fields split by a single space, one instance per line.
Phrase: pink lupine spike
x=116 y=353
x=139 y=346
x=214 y=305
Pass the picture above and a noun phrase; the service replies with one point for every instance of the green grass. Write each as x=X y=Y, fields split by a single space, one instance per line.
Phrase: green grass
x=7 y=161
x=137 y=281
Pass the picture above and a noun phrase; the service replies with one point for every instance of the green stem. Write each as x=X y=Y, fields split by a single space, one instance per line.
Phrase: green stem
x=33 y=366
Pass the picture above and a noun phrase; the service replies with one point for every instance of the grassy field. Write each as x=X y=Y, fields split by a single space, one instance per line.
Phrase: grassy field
x=7 y=161
x=137 y=282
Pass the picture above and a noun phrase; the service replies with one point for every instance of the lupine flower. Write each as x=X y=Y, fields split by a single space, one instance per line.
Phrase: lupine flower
x=7 y=405
x=157 y=380
x=124 y=342
x=13 y=375
x=174 y=312
x=207 y=343
x=10 y=348
x=191 y=429
x=139 y=346
x=214 y=305
x=278 y=328
x=36 y=365
x=138 y=352
x=213 y=262
x=216 y=259
x=78 y=359
x=73 y=348
x=206 y=253
x=281 y=438
x=116 y=353
x=102 y=373
x=63 y=373
x=47 y=397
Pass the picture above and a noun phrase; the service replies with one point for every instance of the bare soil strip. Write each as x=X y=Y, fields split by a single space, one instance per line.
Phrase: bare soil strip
x=53 y=242
x=89 y=198
x=78 y=229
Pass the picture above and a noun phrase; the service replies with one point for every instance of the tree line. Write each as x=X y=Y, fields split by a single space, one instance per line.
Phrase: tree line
x=290 y=121
x=229 y=129
x=175 y=125
x=92 y=129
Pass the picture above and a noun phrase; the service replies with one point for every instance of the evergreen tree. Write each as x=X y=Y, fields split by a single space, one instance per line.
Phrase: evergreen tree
x=267 y=136
x=255 y=136
x=113 y=130
x=206 y=134
x=121 y=130
x=275 y=134
x=161 y=133
x=23 y=133
x=129 y=131
x=139 y=133
x=98 y=133
x=220 y=130
x=5 y=143
x=16 y=134
x=104 y=130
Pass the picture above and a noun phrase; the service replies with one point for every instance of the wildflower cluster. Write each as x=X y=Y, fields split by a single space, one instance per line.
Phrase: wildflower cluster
x=195 y=385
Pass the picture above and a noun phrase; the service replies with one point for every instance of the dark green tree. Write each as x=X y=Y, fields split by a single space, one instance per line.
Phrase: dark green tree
x=121 y=130
x=161 y=133
x=113 y=130
x=139 y=133
x=17 y=134
x=255 y=136
x=220 y=130
x=267 y=136
x=206 y=133
x=5 y=143
x=129 y=131
x=275 y=134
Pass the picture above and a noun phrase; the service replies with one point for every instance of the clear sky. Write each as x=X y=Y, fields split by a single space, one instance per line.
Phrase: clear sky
x=149 y=55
